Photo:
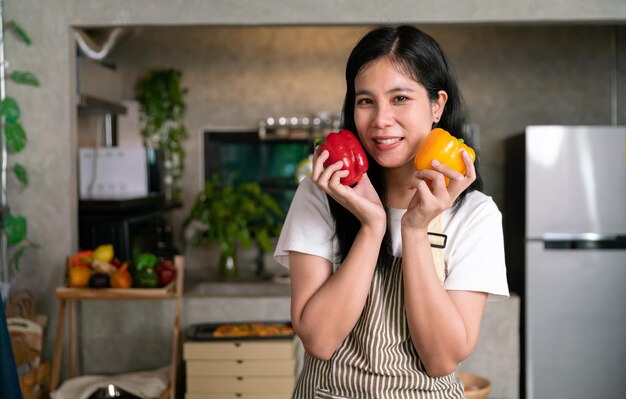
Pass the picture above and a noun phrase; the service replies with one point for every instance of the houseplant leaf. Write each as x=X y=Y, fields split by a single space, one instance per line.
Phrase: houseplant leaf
x=21 y=33
x=20 y=173
x=9 y=109
x=15 y=228
x=24 y=78
x=15 y=136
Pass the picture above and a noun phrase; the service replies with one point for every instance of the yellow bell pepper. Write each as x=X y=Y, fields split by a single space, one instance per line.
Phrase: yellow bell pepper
x=104 y=253
x=442 y=146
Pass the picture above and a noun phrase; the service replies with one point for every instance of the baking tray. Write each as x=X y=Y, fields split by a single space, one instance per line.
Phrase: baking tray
x=204 y=332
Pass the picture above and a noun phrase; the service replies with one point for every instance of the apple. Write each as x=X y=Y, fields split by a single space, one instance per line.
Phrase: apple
x=166 y=271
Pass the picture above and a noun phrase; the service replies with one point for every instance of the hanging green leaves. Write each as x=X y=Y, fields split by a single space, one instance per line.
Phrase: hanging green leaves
x=20 y=173
x=21 y=33
x=24 y=78
x=15 y=136
x=9 y=109
x=161 y=98
x=15 y=228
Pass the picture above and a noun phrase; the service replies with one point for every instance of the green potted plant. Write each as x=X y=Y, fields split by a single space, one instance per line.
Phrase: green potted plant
x=162 y=111
x=13 y=227
x=234 y=215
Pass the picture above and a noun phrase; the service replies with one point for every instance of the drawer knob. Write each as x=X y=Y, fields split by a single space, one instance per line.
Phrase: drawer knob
x=239 y=361
x=239 y=378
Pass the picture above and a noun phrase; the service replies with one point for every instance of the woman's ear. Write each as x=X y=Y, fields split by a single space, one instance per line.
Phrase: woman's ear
x=438 y=105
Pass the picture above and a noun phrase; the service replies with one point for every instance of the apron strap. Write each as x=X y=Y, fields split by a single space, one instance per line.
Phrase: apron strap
x=441 y=268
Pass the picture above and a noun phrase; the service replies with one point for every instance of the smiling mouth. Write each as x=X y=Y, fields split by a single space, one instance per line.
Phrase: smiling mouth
x=388 y=141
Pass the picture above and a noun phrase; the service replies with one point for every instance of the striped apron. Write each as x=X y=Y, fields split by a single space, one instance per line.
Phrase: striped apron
x=377 y=359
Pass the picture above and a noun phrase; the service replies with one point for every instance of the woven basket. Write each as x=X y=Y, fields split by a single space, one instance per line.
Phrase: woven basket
x=36 y=383
x=476 y=387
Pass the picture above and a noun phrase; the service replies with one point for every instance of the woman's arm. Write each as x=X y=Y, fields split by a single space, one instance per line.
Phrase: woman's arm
x=326 y=306
x=444 y=325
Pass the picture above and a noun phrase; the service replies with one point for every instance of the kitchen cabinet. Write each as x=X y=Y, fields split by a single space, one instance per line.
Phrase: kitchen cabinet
x=250 y=368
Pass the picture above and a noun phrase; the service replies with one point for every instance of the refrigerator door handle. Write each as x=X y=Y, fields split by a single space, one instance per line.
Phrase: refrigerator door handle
x=589 y=241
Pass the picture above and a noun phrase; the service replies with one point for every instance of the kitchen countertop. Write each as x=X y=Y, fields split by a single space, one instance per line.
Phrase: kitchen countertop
x=237 y=288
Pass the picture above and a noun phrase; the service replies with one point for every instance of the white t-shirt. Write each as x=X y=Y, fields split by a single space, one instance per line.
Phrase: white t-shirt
x=474 y=252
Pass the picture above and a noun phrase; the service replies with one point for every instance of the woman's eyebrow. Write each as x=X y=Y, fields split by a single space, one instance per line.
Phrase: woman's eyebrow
x=391 y=91
x=363 y=92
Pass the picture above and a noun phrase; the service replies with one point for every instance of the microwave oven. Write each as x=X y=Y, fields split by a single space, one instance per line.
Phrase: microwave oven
x=118 y=172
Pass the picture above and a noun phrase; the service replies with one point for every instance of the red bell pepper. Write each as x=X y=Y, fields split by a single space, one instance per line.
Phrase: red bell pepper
x=344 y=146
x=82 y=258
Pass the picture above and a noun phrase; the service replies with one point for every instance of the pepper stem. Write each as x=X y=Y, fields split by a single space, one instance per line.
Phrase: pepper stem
x=461 y=141
x=318 y=141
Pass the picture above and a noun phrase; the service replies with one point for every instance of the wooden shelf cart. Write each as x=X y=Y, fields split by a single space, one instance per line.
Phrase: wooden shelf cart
x=69 y=297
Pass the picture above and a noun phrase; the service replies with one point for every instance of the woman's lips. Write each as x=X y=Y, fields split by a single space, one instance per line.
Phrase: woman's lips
x=387 y=143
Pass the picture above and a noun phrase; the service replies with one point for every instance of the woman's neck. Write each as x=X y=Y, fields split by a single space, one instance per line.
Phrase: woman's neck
x=398 y=186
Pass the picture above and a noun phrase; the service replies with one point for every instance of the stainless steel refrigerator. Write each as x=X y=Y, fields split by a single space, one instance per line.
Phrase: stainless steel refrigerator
x=565 y=224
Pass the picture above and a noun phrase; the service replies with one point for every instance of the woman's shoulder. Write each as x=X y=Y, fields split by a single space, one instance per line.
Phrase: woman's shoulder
x=478 y=199
x=308 y=196
x=308 y=190
x=477 y=205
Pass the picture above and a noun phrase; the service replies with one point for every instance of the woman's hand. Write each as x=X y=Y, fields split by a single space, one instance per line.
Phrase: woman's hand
x=432 y=196
x=362 y=200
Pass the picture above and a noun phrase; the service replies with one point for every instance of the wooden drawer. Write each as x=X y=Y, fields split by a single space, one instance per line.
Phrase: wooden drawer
x=243 y=385
x=240 y=350
x=241 y=368
x=238 y=395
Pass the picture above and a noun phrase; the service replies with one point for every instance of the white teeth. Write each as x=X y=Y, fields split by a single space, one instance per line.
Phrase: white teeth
x=388 y=141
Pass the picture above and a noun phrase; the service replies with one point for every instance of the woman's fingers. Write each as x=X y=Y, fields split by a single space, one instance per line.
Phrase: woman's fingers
x=458 y=182
x=335 y=179
x=318 y=164
x=328 y=178
x=470 y=170
x=329 y=173
x=446 y=171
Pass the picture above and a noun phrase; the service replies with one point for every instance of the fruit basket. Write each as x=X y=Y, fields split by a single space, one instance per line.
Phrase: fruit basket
x=98 y=274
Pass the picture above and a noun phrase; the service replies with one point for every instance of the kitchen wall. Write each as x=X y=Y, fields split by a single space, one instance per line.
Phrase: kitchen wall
x=511 y=76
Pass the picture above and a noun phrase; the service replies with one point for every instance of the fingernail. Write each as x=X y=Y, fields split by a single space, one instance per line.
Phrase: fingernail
x=436 y=163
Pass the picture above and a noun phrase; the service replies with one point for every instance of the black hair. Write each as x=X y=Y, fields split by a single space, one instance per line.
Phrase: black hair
x=420 y=57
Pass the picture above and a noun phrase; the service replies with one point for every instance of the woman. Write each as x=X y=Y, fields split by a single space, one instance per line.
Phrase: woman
x=381 y=313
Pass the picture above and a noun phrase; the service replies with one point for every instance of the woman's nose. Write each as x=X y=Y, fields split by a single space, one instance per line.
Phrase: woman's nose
x=383 y=116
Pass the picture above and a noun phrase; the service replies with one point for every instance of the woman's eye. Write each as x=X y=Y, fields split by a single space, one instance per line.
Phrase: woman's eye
x=400 y=99
x=364 y=101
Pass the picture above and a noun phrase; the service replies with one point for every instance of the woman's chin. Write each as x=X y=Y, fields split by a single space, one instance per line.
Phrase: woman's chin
x=395 y=163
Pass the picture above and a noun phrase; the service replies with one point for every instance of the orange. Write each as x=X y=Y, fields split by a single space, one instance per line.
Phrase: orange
x=79 y=276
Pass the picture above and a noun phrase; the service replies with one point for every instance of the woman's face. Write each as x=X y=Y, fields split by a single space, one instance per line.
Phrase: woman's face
x=392 y=112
